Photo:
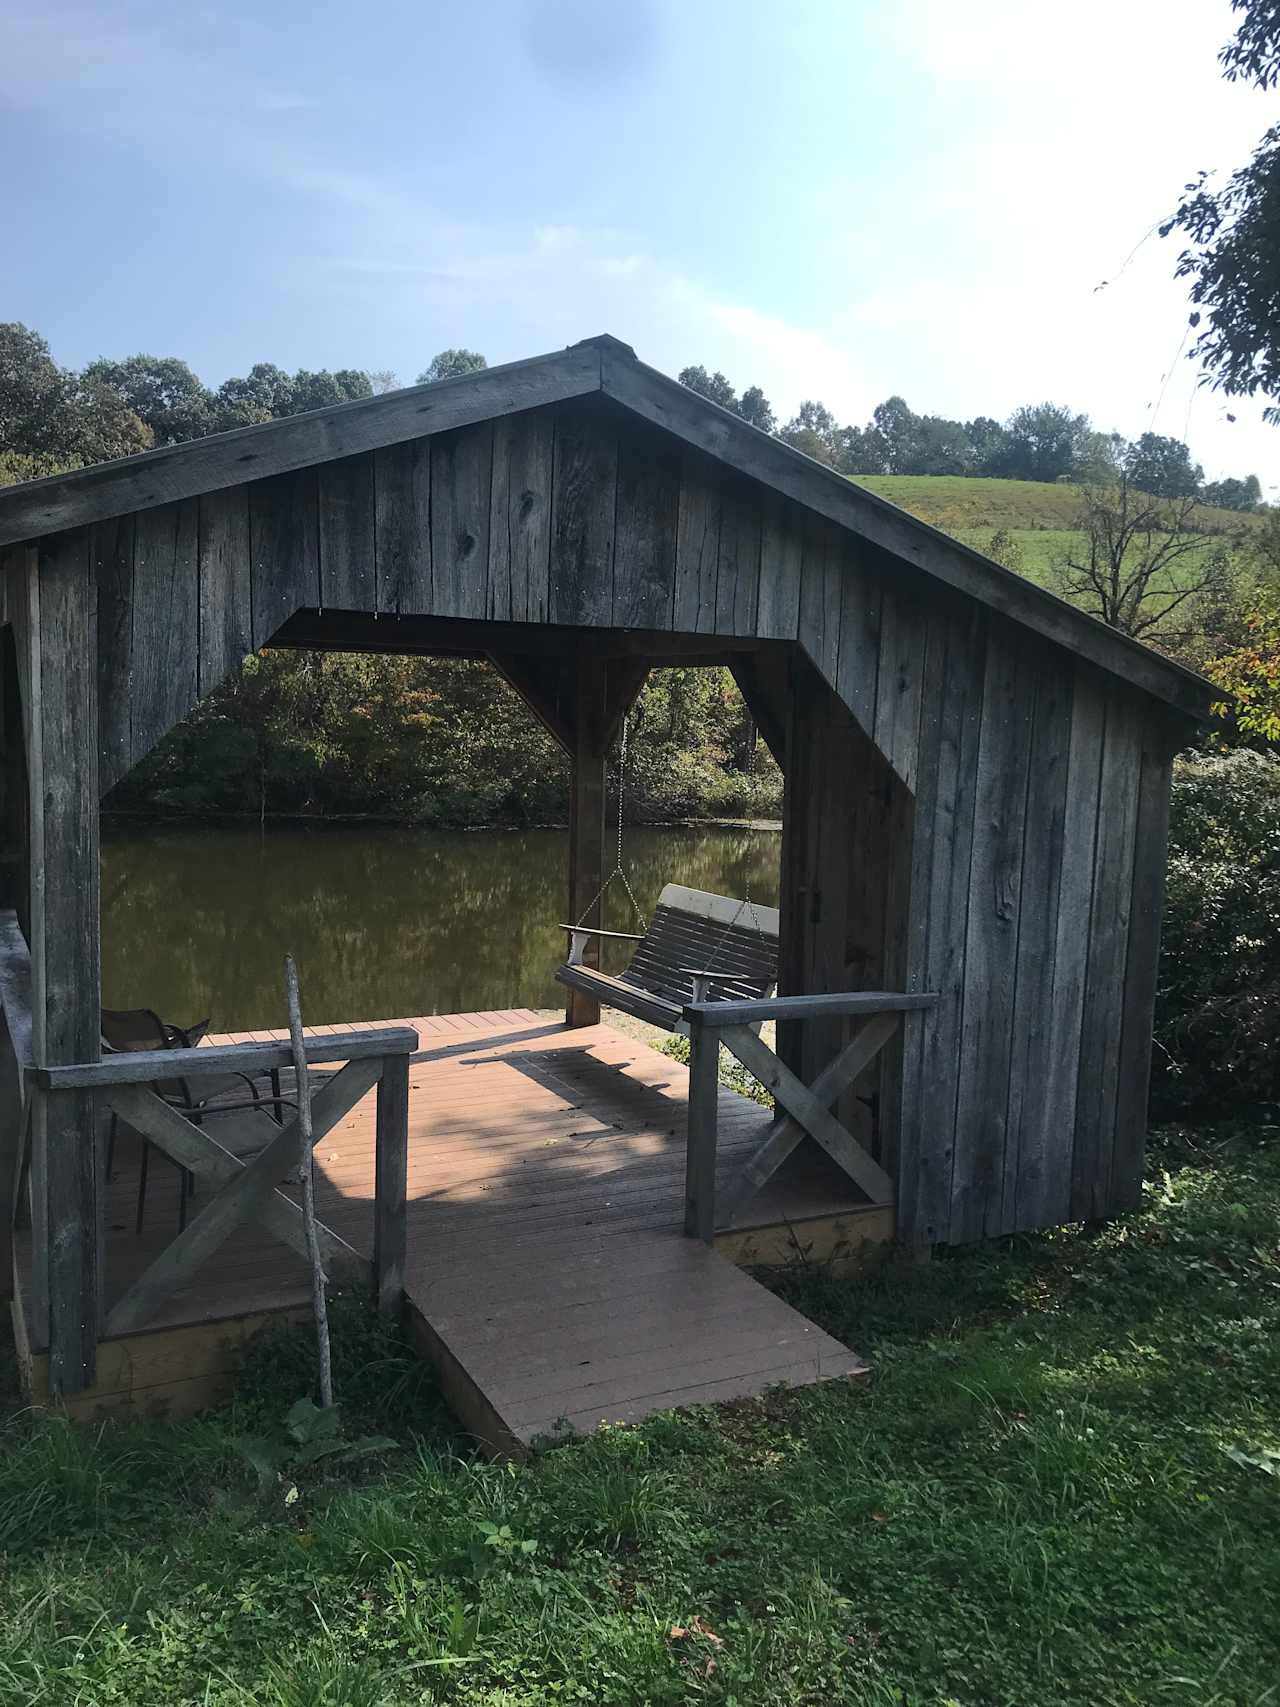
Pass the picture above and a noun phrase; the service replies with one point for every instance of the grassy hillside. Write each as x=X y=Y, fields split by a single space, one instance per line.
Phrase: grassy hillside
x=1038 y=516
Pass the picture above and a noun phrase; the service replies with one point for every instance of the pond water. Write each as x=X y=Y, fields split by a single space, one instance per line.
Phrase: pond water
x=384 y=923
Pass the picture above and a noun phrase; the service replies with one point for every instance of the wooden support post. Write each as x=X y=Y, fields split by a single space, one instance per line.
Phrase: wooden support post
x=700 y=1156
x=62 y=769
x=586 y=819
x=391 y=1185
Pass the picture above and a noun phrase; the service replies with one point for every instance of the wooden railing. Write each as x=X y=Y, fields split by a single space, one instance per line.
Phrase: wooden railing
x=801 y=1108
x=245 y=1186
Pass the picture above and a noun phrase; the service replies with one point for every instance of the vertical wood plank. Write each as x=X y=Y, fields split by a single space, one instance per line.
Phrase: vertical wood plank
x=166 y=615
x=991 y=941
x=402 y=528
x=1038 y=1145
x=738 y=570
x=226 y=585
x=900 y=678
x=1102 y=1017
x=697 y=544
x=520 y=523
x=347 y=550
x=391 y=1177
x=583 y=504
x=284 y=538
x=112 y=546
x=821 y=596
x=1150 y=858
x=461 y=492
x=943 y=840
x=1046 y=1197
x=700 y=1154
x=648 y=506
x=781 y=560
x=861 y=597
x=66 y=1000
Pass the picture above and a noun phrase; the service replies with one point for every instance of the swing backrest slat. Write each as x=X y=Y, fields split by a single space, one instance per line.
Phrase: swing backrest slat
x=736 y=941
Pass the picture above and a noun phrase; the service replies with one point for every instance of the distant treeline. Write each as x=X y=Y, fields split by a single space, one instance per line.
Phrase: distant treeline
x=54 y=418
x=1040 y=441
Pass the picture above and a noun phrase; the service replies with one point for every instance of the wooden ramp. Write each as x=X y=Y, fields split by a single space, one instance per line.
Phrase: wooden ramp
x=547 y=1277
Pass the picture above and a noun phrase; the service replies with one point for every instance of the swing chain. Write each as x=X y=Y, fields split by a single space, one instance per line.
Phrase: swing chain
x=618 y=868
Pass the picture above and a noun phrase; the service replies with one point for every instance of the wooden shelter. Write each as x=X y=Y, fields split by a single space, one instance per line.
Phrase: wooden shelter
x=977 y=779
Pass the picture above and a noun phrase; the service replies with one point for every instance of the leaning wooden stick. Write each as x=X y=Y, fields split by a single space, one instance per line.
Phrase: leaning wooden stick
x=306 y=1170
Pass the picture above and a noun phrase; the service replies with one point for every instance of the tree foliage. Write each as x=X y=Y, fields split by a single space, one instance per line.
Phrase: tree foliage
x=1232 y=256
x=451 y=364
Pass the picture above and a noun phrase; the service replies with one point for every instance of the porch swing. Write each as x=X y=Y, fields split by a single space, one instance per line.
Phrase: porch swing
x=698 y=947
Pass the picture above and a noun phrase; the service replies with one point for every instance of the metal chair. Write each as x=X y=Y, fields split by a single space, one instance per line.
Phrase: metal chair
x=197 y=1096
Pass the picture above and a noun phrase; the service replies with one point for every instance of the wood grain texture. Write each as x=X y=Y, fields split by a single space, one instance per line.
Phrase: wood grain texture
x=1104 y=991
x=64 y=949
x=697 y=545
x=520 y=522
x=1039 y=1145
x=402 y=528
x=781 y=557
x=826 y=493
x=284 y=539
x=900 y=679
x=226 y=585
x=391 y=1161
x=861 y=602
x=583 y=504
x=166 y=618
x=112 y=550
x=991 y=938
x=346 y=522
x=300 y=441
x=647 y=513
x=738 y=568
x=947 y=792
x=461 y=493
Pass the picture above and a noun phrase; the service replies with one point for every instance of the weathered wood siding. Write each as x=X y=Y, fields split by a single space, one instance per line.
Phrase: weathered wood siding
x=973 y=808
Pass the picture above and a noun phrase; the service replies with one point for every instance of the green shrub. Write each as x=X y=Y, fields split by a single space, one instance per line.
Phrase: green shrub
x=1217 y=1032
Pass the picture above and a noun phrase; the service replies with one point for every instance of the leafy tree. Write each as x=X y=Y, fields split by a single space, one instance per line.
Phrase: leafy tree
x=1250 y=673
x=323 y=390
x=1141 y=558
x=1163 y=466
x=1044 y=442
x=756 y=409
x=859 y=451
x=813 y=430
x=988 y=443
x=713 y=386
x=264 y=393
x=451 y=364
x=1230 y=494
x=162 y=391
x=51 y=420
x=1233 y=253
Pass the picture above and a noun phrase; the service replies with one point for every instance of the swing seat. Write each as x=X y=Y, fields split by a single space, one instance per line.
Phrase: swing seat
x=698 y=948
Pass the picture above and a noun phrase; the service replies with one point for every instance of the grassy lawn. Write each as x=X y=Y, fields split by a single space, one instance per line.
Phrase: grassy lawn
x=1059 y=1486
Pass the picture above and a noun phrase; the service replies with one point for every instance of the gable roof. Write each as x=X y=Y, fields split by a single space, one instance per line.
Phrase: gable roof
x=597 y=365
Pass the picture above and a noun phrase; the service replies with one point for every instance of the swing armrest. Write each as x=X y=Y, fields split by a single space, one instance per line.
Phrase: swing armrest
x=578 y=935
x=588 y=930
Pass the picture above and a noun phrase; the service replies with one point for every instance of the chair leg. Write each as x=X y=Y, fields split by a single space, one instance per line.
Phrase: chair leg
x=142 y=1185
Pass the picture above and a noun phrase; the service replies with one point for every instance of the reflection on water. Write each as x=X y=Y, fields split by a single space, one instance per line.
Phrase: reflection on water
x=384 y=923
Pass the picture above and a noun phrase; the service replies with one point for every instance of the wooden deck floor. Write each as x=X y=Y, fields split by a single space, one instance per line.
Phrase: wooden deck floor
x=547 y=1276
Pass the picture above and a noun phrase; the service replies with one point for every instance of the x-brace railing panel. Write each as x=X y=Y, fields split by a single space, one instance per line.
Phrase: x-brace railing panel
x=802 y=1109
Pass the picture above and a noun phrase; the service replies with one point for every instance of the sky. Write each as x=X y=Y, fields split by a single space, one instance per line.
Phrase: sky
x=949 y=200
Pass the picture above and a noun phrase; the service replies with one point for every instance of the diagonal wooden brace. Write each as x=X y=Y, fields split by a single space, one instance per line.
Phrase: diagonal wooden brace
x=248 y=1189
x=808 y=1110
